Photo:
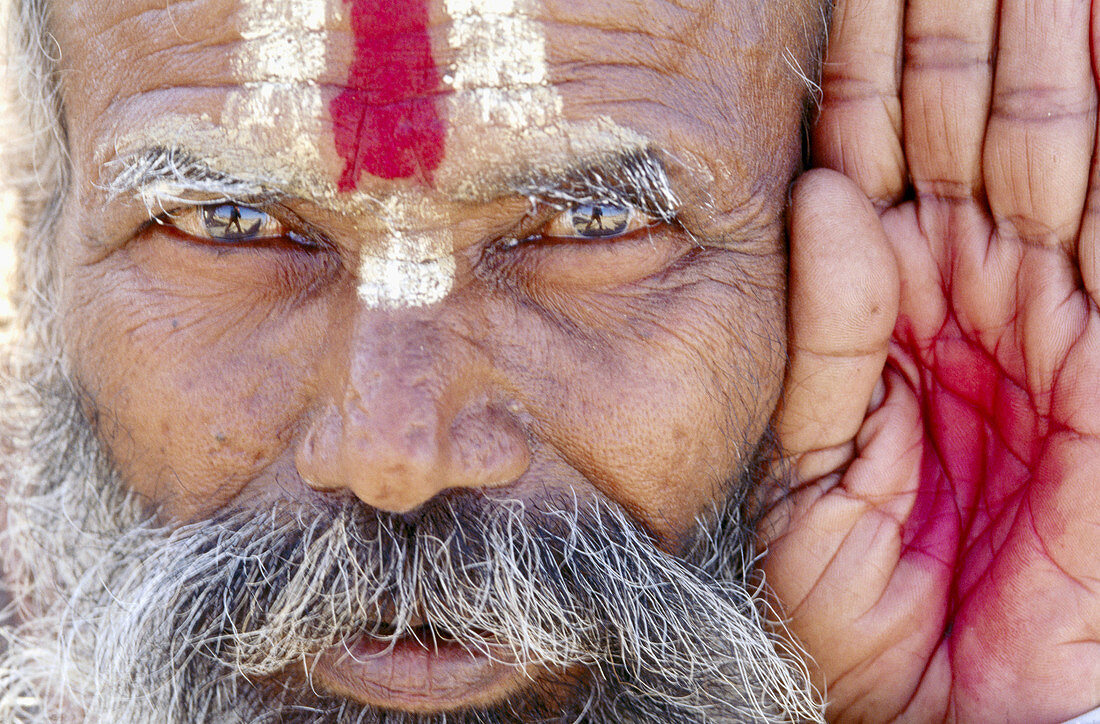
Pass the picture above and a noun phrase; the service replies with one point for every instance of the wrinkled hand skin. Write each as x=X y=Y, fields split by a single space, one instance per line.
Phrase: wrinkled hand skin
x=939 y=554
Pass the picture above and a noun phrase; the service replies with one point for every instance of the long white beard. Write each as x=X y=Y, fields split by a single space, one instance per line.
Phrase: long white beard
x=124 y=620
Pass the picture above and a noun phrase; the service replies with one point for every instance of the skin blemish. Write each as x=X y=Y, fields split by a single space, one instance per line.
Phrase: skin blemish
x=386 y=122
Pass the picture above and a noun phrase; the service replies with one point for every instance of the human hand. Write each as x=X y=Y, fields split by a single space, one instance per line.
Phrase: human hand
x=939 y=555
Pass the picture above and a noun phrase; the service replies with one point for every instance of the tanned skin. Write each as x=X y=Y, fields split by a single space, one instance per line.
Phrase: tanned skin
x=226 y=374
x=938 y=556
x=200 y=431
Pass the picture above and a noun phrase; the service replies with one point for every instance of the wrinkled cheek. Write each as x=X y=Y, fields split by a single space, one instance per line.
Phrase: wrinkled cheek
x=189 y=410
x=660 y=417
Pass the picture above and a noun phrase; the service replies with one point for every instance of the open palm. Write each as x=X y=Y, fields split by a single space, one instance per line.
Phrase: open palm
x=939 y=555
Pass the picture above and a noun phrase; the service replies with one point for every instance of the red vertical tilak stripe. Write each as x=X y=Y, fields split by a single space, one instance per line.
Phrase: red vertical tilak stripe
x=386 y=121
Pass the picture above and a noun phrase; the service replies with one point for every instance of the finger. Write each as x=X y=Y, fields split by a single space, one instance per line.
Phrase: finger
x=1089 y=238
x=1088 y=250
x=947 y=82
x=1043 y=120
x=1040 y=145
x=858 y=131
x=834 y=564
x=843 y=304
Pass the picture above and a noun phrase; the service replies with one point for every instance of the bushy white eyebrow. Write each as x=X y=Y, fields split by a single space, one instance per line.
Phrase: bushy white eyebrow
x=161 y=176
x=636 y=178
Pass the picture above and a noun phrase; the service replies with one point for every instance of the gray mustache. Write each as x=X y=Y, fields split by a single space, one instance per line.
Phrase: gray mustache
x=556 y=585
x=462 y=566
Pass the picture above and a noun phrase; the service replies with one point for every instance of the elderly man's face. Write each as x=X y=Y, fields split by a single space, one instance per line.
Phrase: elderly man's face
x=411 y=251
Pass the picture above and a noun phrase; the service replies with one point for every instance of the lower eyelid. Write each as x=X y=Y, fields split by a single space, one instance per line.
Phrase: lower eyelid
x=598 y=263
x=181 y=261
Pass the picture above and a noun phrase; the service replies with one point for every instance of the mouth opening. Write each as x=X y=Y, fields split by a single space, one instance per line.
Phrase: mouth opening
x=418 y=668
x=426 y=635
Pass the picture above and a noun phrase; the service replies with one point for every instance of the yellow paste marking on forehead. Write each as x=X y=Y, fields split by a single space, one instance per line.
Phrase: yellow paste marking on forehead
x=505 y=115
x=416 y=267
x=499 y=74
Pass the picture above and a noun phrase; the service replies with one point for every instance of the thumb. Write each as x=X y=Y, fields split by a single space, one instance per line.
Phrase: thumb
x=843 y=305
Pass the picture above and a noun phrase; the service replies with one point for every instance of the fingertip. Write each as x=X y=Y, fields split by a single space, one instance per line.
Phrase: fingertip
x=858 y=131
x=843 y=274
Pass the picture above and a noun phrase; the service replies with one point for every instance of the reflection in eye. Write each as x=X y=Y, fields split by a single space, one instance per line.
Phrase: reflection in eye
x=228 y=223
x=597 y=221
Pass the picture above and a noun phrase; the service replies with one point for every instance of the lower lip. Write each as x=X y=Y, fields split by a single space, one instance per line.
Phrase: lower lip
x=408 y=675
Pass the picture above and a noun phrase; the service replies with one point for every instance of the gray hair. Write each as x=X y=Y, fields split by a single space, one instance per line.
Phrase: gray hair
x=35 y=151
x=34 y=161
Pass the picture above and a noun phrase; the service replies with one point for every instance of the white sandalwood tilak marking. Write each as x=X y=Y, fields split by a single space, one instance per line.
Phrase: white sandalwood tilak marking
x=416 y=268
x=272 y=126
x=284 y=50
x=283 y=55
x=502 y=113
x=500 y=74
x=504 y=116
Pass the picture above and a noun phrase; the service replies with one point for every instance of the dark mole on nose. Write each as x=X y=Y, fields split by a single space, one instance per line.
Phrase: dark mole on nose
x=386 y=121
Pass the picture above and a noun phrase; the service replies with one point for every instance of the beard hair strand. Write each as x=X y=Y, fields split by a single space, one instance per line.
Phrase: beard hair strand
x=120 y=616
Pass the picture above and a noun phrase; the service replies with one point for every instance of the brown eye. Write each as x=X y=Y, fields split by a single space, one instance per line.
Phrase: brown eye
x=228 y=224
x=596 y=221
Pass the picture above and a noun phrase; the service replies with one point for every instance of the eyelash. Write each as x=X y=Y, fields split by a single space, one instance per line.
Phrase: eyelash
x=244 y=225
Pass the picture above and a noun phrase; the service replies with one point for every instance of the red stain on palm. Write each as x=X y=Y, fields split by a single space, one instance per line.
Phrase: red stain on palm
x=983 y=445
x=386 y=121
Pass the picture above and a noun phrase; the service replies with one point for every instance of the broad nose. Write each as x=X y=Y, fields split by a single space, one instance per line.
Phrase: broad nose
x=409 y=411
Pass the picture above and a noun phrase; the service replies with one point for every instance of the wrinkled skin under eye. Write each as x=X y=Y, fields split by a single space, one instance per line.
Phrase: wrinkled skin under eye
x=593 y=247
x=235 y=252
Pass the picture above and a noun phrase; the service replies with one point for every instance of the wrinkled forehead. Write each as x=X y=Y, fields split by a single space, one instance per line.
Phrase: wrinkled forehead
x=356 y=96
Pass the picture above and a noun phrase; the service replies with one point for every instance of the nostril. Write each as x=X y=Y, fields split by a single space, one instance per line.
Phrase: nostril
x=318 y=455
x=490 y=447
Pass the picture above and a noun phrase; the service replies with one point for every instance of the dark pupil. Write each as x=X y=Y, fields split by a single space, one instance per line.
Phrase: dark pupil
x=596 y=220
x=230 y=222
